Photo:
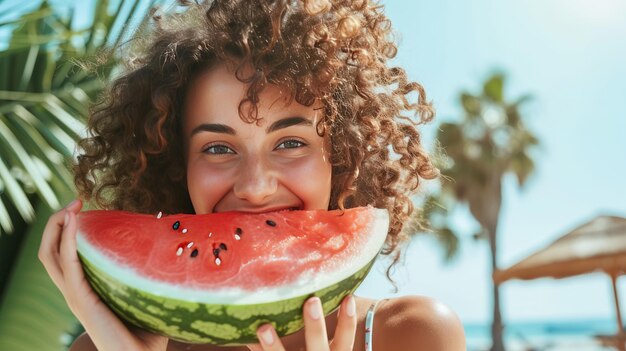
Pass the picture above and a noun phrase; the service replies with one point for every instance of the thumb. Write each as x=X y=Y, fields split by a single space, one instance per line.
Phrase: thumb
x=74 y=206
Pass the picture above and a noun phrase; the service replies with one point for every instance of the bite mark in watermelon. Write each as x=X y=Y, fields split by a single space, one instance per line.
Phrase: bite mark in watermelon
x=215 y=278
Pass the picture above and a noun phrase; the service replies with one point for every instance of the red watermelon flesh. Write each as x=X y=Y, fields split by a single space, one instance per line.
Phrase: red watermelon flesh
x=232 y=250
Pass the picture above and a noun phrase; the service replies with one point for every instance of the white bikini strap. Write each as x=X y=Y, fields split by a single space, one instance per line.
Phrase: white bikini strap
x=369 y=325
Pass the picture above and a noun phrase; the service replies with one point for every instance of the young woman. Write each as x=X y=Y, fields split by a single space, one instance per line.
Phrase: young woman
x=258 y=106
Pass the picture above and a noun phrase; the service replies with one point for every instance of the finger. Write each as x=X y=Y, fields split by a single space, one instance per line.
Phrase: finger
x=50 y=258
x=73 y=275
x=52 y=232
x=269 y=339
x=68 y=240
x=49 y=248
x=51 y=236
x=75 y=206
x=315 y=334
x=80 y=297
x=70 y=264
x=346 y=326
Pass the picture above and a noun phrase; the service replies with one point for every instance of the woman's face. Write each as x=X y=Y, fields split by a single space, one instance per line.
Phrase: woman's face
x=279 y=163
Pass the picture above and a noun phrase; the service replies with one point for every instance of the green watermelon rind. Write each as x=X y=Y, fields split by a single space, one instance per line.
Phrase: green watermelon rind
x=220 y=324
x=324 y=263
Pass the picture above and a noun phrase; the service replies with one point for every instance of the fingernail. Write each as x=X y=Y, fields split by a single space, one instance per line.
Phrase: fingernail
x=315 y=306
x=71 y=203
x=66 y=220
x=267 y=336
x=351 y=308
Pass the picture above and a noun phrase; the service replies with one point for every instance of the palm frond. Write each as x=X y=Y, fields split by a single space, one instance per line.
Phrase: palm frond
x=493 y=89
x=45 y=96
x=489 y=140
x=16 y=194
x=44 y=99
x=34 y=177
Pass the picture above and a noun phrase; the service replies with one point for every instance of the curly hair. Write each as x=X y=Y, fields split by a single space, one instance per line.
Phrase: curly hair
x=335 y=52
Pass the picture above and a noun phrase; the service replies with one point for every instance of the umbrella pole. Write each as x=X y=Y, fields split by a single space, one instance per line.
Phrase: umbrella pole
x=620 y=330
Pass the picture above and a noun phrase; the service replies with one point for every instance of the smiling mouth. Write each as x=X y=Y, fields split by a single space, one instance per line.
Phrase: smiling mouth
x=295 y=208
x=285 y=209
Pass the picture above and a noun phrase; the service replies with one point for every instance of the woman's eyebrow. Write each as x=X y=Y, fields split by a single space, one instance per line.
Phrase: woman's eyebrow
x=213 y=127
x=224 y=129
x=288 y=122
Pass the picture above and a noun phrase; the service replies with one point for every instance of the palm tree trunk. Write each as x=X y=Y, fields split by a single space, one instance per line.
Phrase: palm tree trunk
x=485 y=204
x=493 y=215
x=497 y=328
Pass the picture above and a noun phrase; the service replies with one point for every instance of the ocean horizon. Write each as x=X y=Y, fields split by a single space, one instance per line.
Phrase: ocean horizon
x=557 y=335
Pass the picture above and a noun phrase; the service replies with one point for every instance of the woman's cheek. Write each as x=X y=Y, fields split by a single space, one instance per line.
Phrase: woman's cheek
x=310 y=180
x=207 y=185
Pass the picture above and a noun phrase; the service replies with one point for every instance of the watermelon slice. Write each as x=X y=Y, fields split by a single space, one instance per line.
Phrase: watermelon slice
x=215 y=278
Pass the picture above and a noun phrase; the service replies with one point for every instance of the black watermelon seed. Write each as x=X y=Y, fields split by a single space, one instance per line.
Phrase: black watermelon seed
x=270 y=223
x=176 y=225
x=238 y=231
x=194 y=253
x=216 y=252
x=223 y=247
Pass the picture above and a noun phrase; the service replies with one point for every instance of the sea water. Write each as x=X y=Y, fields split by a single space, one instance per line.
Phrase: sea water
x=575 y=335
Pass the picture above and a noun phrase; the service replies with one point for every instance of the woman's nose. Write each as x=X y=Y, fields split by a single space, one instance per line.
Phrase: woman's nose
x=255 y=182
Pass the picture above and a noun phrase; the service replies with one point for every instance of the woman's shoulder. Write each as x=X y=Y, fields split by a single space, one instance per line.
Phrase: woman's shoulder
x=414 y=323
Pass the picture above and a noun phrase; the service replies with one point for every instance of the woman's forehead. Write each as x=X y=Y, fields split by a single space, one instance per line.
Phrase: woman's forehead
x=216 y=94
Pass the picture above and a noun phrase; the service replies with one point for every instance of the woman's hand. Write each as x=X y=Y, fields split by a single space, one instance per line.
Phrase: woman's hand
x=58 y=255
x=315 y=329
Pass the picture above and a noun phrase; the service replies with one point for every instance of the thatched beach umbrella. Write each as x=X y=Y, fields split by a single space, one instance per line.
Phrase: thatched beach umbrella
x=598 y=245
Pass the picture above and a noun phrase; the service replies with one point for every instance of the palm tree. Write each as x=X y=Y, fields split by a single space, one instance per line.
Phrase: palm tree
x=44 y=101
x=489 y=142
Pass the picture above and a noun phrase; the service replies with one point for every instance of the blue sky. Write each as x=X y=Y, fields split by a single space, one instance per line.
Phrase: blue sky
x=570 y=56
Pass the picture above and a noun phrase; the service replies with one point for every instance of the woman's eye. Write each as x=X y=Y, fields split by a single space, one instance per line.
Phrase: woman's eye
x=218 y=150
x=290 y=144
